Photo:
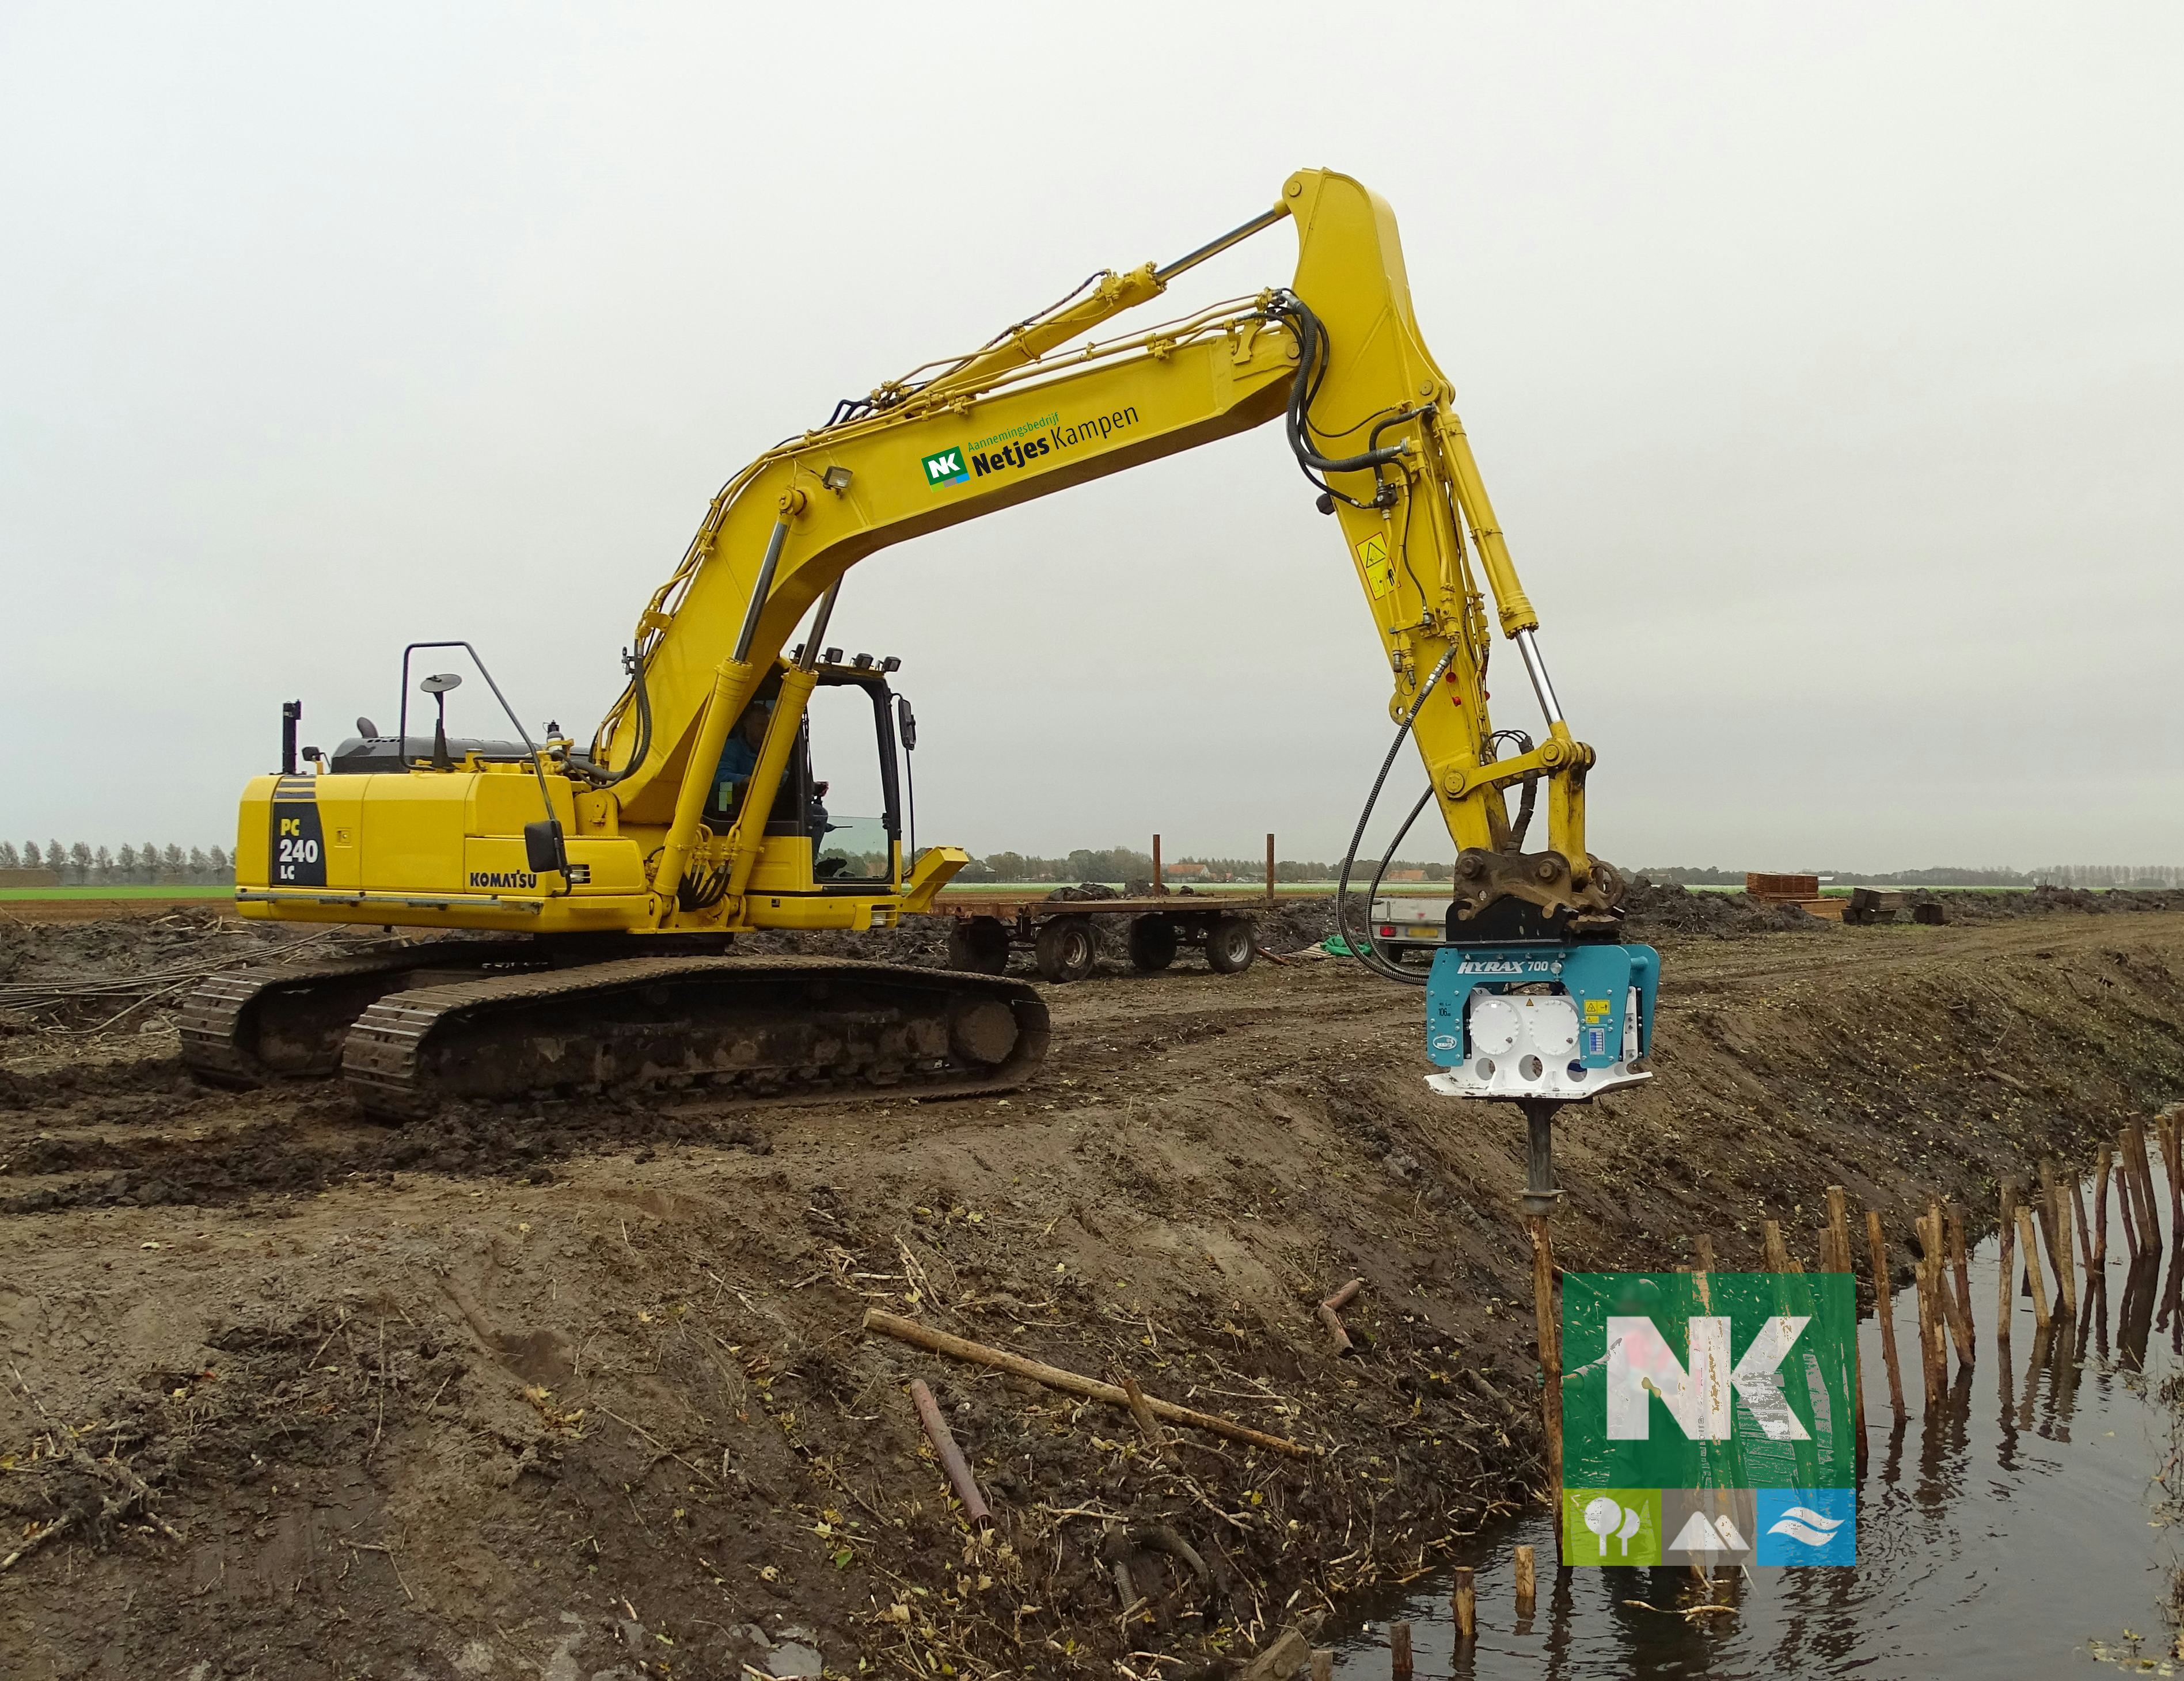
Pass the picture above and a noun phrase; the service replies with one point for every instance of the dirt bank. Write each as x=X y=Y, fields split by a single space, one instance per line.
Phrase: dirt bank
x=578 y=1390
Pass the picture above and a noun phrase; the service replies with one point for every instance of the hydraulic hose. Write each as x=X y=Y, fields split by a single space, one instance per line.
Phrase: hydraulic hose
x=1312 y=369
x=1369 y=953
x=635 y=660
x=1523 y=743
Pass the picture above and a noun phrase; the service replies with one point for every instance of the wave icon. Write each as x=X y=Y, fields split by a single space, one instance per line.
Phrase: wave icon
x=1803 y=1524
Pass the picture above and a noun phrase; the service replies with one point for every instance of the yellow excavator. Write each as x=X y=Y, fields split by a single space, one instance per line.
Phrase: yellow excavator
x=609 y=879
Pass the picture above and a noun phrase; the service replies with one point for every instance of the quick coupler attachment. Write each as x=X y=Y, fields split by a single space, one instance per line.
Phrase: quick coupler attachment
x=1546 y=1020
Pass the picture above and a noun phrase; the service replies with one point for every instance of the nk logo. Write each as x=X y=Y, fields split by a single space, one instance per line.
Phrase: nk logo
x=946 y=466
x=1709 y=1419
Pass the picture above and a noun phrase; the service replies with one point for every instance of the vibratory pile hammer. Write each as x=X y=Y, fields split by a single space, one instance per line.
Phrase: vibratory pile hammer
x=606 y=880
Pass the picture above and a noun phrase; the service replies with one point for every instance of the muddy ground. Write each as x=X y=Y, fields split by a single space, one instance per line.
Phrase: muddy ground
x=578 y=1389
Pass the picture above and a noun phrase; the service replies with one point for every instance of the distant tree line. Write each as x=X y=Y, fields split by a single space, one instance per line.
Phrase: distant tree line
x=1958 y=876
x=2111 y=875
x=146 y=866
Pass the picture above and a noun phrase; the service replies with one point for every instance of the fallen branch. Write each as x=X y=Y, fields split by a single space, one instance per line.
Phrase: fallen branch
x=38 y=1538
x=1073 y=1383
x=1134 y=1399
x=140 y=1494
x=951 y=1457
x=1330 y=1315
x=1687 y=1612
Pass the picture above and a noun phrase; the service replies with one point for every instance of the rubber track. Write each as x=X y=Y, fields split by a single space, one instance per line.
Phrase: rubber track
x=382 y=1060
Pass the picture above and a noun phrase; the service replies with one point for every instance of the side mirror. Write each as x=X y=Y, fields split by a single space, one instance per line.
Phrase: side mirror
x=541 y=847
x=906 y=721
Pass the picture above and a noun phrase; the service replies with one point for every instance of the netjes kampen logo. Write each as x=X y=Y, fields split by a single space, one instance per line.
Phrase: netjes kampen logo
x=1020 y=446
x=1704 y=1389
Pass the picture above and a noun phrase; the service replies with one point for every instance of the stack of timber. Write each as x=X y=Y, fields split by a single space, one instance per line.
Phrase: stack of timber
x=1802 y=891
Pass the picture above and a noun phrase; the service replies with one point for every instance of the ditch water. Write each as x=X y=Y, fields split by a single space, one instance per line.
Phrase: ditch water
x=2016 y=1532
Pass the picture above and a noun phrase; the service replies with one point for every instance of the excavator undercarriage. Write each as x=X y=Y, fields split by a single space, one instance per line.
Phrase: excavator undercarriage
x=410 y=1027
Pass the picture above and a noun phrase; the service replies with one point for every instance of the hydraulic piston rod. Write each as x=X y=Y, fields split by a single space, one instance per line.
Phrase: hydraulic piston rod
x=1535 y=667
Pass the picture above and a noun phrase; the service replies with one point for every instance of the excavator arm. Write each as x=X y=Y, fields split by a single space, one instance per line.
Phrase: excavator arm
x=1337 y=354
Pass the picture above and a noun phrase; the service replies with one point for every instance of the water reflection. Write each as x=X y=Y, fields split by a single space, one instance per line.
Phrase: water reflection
x=1997 y=1537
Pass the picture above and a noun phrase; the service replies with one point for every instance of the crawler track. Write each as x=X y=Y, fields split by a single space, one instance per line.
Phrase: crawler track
x=251 y=1026
x=767 y=1028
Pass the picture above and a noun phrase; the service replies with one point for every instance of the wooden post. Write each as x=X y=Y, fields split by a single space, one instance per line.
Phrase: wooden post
x=2006 y=1277
x=1323 y=1667
x=1935 y=1235
x=2101 y=1209
x=1840 y=1262
x=2026 y=1240
x=2176 y=1171
x=1160 y=880
x=1778 y=1256
x=1885 y=1311
x=2066 y=1262
x=2142 y=1173
x=1549 y=1331
x=2050 y=1222
x=1528 y=1582
x=2084 y=1227
x=1466 y=1601
x=2152 y=1206
x=1932 y=1357
x=1960 y=1268
x=1703 y=1245
x=2127 y=1196
x=2126 y=1212
x=1270 y=868
x=1399 y=1652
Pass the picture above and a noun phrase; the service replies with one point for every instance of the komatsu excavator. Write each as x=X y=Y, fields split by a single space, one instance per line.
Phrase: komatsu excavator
x=611 y=878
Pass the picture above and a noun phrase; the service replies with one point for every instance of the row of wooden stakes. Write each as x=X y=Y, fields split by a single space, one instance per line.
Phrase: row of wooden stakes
x=2051 y=1220
x=1463 y=1603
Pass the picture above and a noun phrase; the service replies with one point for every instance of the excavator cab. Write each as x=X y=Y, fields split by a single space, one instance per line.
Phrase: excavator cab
x=840 y=792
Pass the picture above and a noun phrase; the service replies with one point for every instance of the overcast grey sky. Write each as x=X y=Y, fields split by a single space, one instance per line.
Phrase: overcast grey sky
x=1825 y=363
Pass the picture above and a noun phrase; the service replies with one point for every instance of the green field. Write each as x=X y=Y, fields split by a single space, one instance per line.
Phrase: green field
x=178 y=890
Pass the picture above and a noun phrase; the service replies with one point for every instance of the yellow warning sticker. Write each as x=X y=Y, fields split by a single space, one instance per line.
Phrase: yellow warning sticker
x=1373 y=556
x=1596 y=1009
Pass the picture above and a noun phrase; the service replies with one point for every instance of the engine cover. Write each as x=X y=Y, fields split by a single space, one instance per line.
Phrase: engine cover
x=1559 y=1022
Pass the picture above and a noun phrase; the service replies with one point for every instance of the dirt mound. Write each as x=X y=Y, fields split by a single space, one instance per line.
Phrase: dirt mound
x=2044 y=901
x=1655 y=911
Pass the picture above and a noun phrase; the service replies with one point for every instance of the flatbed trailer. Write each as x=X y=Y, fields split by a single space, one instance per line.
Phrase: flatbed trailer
x=1058 y=930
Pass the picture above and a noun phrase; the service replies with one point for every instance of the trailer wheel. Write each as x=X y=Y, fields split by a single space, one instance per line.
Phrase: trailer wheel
x=1230 y=944
x=1065 y=950
x=1153 y=942
x=981 y=945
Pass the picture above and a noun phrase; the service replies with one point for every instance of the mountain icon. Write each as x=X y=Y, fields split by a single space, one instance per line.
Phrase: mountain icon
x=1699 y=1536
